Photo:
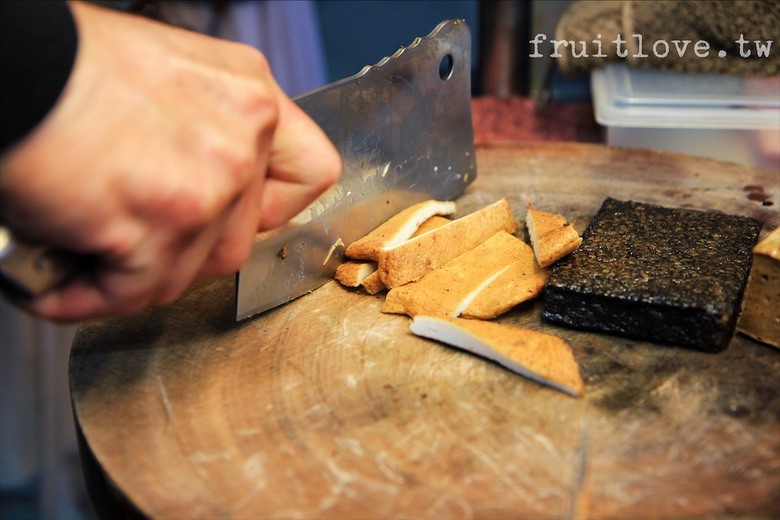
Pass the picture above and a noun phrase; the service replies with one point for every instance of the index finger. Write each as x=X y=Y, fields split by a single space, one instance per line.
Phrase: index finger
x=303 y=163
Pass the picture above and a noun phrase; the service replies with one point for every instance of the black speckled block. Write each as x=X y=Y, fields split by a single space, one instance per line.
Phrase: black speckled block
x=665 y=275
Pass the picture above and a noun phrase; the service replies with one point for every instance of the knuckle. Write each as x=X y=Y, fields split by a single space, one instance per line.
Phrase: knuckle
x=191 y=208
x=197 y=199
x=255 y=60
x=238 y=163
x=230 y=163
x=116 y=242
x=259 y=100
x=261 y=110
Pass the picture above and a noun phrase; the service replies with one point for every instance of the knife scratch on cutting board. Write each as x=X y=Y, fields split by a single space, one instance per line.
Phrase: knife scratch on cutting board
x=341 y=483
x=248 y=432
x=580 y=495
x=351 y=381
x=427 y=450
x=319 y=414
x=416 y=436
x=164 y=398
x=201 y=457
x=352 y=444
x=254 y=470
x=451 y=506
x=342 y=480
x=499 y=468
x=389 y=468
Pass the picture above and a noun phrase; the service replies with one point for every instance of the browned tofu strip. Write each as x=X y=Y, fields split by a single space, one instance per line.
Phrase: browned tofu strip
x=446 y=291
x=760 y=317
x=397 y=229
x=544 y=358
x=353 y=274
x=522 y=281
x=418 y=256
x=372 y=283
x=551 y=236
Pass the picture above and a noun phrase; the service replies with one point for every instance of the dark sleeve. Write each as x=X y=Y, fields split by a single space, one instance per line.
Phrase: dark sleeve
x=38 y=42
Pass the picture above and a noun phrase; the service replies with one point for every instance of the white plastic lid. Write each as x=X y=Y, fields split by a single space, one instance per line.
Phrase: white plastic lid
x=651 y=87
x=630 y=97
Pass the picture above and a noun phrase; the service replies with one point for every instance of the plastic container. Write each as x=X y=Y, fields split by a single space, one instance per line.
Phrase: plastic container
x=718 y=116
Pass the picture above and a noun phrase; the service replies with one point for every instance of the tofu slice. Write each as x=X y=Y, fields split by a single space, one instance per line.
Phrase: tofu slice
x=551 y=236
x=353 y=274
x=522 y=281
x=397 y=229
x=448 y=290
x=760 y=318
x=541 y=357
x=373 y=283
x=414 y=258
x=358 y=272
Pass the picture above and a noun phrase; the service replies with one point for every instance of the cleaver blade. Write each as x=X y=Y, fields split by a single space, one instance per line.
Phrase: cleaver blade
x=403 y=129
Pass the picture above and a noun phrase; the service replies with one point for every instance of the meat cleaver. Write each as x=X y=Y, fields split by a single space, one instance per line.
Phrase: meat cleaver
x=403 y=129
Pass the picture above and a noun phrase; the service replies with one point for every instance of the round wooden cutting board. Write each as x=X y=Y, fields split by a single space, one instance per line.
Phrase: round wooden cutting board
x=327 y=408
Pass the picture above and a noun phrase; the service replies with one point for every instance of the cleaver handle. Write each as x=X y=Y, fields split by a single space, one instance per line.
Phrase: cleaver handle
x=29 y=270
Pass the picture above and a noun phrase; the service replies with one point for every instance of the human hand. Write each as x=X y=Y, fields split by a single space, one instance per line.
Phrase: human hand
x=165 y=154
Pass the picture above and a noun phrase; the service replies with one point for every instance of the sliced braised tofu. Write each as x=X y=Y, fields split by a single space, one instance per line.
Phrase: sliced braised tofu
x=551 y=236
x=397 y=229
x=414 y=258
x=373 y=283
x=450 y=289
x=353 y=274
x=522 y=281
x=760 y=317
x=544 y=358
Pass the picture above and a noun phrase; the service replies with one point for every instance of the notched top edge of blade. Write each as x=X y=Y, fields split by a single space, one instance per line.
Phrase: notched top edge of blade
x=367 y=69
x=417 y=41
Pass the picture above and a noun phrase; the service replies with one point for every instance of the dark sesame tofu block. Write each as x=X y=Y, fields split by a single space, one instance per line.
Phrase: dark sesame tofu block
x=660 y=274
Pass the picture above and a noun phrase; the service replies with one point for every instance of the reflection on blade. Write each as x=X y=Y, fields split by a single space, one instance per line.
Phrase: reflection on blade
x=403 y=128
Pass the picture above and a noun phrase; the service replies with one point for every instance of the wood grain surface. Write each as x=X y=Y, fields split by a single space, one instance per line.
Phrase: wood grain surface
x=326 y=408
